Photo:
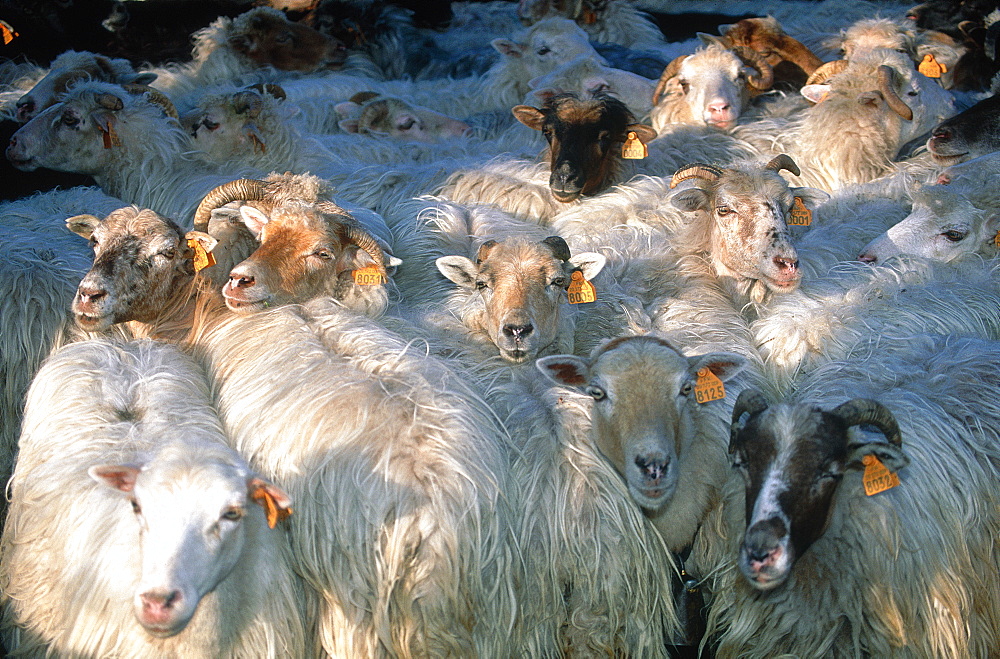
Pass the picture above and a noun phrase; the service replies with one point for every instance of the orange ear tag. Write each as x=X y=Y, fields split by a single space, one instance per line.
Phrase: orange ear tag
x=996 y=240
x=877 y=477
x=634 y=149
x=708 y=387
x=932 y=68
x=7 y=32
x=580 y=290
x=800 y=215
x=202 y=257
x=368 y=276
x=110 y=136
x=271 y=510
x=589 y=17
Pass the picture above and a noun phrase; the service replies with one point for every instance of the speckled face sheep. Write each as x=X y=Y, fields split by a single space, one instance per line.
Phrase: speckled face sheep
x=585 y=139
x=383 y=116
x=943 y=225
x=793 y=458
x=142 y=263
x=791 y=61
x=649 y=425
x=515 y=291
x=743 y=211
x=265 y=37
x=711 y=87
x=68 y=69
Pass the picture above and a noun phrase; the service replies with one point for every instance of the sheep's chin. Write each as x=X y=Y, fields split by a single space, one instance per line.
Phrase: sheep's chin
x=93 y=322
x=652 y=499
x=515 y=356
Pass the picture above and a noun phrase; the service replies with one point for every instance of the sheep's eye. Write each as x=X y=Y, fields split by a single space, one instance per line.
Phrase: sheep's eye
x=70 y=119
x=284 y=37
x=169 y=253
x=407 y=125
x=723 y=210
x=93 y=241
x=596 y=392
x=233 y=514
x=686 y=389
x=765 y=53
x=559 y=281
x=136 y=508
x=954 y=236
x=544 y=50
x=685 y=86
x=604 y=135
x=481 y=285
x=323 y=254
x=912 y=92
x=824 y=474
x=209 y=124
x=235 y=220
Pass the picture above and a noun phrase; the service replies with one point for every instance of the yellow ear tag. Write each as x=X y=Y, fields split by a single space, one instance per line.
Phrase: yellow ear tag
x=996 y=240
x=368 y=276
x=932 y=68
x=877 y=477
x=7 y=32
x=110 y=136
x=708 y=387
x=580 y=290
x=634 y=149
x=589 y=17
x=800 y=215
x=271 y=510
x=202 y=257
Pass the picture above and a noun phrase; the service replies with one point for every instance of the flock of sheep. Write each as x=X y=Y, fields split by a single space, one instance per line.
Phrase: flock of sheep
x=585 y=343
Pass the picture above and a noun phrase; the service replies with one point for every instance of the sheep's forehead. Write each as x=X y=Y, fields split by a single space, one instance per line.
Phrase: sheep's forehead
x=752 y=183
x=709 y=59
x=520 y=259
x=307 y=221
x=146 y=226
x=641 y=360
x=799 y=435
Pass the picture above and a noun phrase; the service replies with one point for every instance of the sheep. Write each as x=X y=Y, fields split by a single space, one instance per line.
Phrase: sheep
x=606 y=22
x=863 y=115
x=70 y=68
x=943 y=225
x=790 y=60
x=180 y=571
x=969 y=134
x=587 y=77
x=386 y=116
x=911 y=571
x=712 y=86
x=401 y=524
x=870 y=34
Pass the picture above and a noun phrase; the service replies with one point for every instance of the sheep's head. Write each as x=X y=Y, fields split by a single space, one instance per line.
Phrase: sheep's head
x=715 y=83
x=385 y=116
x=585 y=12
x=69 y=69
x=545 y=46
x=871 y=34
x=587 y=77
x=970 y=134
x=518 y=290
x=307 y=250
x=585 y=139
x=943 y=225
x=191 y=533
x=793 y=458
x=791 y=60
x=235 y=124
x=746 y=208
x=141 y=261
x=265 y=37
x=646 y=419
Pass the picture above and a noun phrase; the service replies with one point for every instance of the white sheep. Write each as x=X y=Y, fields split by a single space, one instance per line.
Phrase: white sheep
x=178 y=572
x=829 y=570
x=587 y=76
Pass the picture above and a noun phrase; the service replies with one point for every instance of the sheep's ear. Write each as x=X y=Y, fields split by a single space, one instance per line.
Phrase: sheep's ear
x=346 y=109
x=143 y=78
x=117 y=477
x=815 y=93
x=992 y=225
x=596 y=84
x=529 y=116
x=567 y=370
x=458 y=269
x=507 y=47
x=689 y=199
x=82 y=225
x=710 y=39
x=646 y=134
x=590 y=263
x=276 y=503
x=725 y=28
x=723 y=364
x=811 y=197
x=207 y=241
x=892 y=456
x=254 y=219
x=350 y=125
x=542 y=94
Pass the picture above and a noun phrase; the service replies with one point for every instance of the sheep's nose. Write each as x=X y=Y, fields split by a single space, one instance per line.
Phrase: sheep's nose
x=942 y=132
x=518 y=332
x=88 y=294
x=867 y=257
x=241 y=281
x=786 y=263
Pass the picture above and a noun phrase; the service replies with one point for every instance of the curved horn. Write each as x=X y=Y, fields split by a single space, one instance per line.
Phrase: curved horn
x=825 y=72
x=669 y=72
x=750 y=401
x=247 y=189
x=110 y=101
x=886 y=85
x=559 y=248
x=248 y=102
x=695 y=170
x=365 y=241
x=154 y=96
x=484 y=250
x=270 y=88
x=765 y=78
x=863 y=411
x=783 y=161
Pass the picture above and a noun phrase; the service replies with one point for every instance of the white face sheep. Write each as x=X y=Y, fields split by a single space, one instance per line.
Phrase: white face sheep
x=710 y=87
x=515 y=290
x=944 y=225
x=584 y=141
x=648 y=423
x=70 y=68
x=384 y=116
x=587 y=76
x=546 y=45
x=227 y=126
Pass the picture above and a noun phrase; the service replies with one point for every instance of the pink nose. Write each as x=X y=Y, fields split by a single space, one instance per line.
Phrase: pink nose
x=867 y=257
x=157 y=606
